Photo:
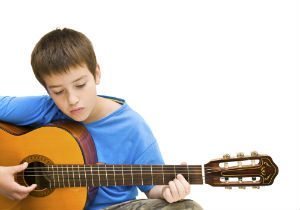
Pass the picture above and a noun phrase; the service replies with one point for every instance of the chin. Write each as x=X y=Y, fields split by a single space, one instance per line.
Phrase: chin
x=78 y=119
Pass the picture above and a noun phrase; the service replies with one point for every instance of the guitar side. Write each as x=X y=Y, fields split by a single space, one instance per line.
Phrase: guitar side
x=17 y=143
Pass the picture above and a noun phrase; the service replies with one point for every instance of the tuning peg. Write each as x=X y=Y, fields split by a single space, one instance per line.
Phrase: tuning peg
x=226 y=156
x=228 y=188
x=254 y=153
x=240 y=155
x=242 y=187
x=255 y=187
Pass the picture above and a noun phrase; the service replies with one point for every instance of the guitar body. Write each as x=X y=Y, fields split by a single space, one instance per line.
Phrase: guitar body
x=56 y=143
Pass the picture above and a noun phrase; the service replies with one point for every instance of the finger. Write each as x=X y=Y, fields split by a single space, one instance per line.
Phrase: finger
x=184 y=182
x=168 y=196
x=174 y=190
x=180 y=189
x=22 y=192
x=31 y=188
x=17 y=196
x=183 y=163
x=23 y=189
x=19 y=168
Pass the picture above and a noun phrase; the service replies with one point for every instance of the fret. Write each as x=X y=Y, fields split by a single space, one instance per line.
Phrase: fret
x=162 y=167
x=62 y=176
x=142 y=174
x=85 y=175
x=92 y=176
x=174 y=171
x=195 y=175
x=119 y=175
x=58 y=176
x=68 y=176
x=126 y=175
x=114 y=175
x=131 y=175
x=137 y=175
x=182 y=169
x=49 y=176
x=99 y=176
x=73 y=176
x=156 y=175
x=123 y=175
x=106 y=176
x=188 y=172
x=79 y=176
x=151 y=175
x=53 y=176
x=103 y=175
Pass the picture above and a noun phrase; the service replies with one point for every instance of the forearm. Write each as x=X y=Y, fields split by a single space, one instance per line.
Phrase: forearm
x=27 y=110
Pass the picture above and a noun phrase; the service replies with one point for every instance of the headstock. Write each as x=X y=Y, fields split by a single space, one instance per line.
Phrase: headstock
x=241 y=171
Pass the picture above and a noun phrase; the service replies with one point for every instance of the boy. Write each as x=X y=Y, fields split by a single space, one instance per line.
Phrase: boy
x=64 y=62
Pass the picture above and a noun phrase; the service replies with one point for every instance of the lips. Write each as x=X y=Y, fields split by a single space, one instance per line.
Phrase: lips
x=77 y=110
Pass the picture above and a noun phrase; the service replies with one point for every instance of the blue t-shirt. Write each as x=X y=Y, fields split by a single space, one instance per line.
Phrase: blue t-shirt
x=122 y=137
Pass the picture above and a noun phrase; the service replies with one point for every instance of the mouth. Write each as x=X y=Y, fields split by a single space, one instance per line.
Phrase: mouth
x=76 y=111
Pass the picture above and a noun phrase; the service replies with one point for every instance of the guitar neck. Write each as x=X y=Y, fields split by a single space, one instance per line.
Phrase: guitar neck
x=59 y=176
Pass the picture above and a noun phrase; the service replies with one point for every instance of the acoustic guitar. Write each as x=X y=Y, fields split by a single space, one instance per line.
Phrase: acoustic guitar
x=62 y=162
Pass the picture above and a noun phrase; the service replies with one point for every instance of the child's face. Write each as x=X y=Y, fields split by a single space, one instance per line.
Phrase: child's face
x=74 y=92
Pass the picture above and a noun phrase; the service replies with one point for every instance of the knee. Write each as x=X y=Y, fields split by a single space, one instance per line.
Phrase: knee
x=188 y=204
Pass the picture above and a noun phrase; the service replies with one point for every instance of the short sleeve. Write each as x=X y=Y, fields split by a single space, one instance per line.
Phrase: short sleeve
x=29 y=110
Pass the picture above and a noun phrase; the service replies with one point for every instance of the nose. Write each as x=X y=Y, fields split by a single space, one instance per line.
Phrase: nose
x=72 y=99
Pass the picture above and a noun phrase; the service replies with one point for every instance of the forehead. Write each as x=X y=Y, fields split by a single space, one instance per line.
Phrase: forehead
x=72 y=75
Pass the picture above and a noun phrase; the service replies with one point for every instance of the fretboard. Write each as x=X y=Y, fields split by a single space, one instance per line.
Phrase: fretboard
x=58 y=176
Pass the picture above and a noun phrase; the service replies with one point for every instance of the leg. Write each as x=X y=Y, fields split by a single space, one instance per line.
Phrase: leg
x=157 y=204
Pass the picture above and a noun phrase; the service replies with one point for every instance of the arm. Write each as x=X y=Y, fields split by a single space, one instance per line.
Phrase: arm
x=29 y=110
x=149 y=153
x=11 y=189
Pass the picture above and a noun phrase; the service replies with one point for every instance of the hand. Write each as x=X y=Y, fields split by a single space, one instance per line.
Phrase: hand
x=177 y=189
x=9 y=187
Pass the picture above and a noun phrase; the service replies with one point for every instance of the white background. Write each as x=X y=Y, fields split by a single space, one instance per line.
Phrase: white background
x=209 y=77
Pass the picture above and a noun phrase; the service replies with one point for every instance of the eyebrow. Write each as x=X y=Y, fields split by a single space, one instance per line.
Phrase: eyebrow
x=76 y=80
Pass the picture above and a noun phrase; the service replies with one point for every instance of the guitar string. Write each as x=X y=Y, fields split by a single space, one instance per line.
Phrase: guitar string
x=88 y=170
x=110 y=181
x=90 y=174
x=113 y=166
x=111 y=171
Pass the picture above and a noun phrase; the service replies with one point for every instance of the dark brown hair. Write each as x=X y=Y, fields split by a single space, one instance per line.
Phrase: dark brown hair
x=60 y=50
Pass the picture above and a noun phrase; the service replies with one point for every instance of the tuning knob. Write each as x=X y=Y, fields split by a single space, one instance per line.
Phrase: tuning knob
x=242 y=187
x=254 y=154
x=255 y=187
x=228 y=187
x=240 y=155
x=226 y=156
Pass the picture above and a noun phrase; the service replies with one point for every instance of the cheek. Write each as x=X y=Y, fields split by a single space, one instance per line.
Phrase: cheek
x=59 y=103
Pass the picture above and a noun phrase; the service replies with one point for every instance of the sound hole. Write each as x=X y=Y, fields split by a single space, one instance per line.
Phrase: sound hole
x=37 y=173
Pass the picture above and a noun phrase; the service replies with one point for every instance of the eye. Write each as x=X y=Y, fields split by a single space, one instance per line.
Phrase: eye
x=58 y=93
x=80 y=86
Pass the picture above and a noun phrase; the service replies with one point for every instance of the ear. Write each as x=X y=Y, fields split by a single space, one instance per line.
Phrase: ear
x=97 y=74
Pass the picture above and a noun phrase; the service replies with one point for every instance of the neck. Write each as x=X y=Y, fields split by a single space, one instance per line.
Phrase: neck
x=117 y=175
